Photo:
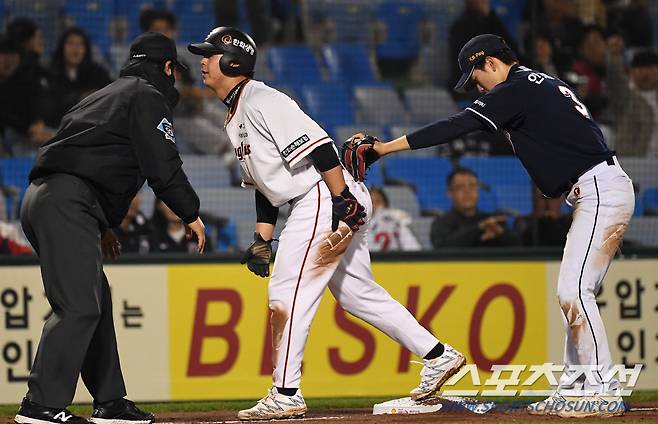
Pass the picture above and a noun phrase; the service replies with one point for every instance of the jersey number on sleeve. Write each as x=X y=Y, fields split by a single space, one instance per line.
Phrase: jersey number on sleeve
x=580 y=107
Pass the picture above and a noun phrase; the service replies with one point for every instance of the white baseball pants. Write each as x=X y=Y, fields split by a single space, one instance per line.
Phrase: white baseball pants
x=604 y=201
x=298 y=282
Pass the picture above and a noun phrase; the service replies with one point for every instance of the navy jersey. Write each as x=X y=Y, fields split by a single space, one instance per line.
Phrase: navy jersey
x=550 y=129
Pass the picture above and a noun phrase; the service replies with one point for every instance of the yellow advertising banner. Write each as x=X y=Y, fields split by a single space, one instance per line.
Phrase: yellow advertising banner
x=493 y=312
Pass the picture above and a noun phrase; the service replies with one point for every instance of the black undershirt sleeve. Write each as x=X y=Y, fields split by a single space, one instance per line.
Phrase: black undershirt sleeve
x=445 y=130
x=265 y=211
x=324 y=157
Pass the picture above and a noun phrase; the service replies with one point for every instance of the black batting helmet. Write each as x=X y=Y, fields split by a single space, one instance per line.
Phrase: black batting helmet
x=238 y=50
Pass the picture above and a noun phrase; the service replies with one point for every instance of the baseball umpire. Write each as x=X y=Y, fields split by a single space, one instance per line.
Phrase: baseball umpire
x=563 y=150
x=81 y=186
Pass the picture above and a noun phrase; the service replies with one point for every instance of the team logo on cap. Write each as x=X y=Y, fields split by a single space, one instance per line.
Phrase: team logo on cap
x=476 y=55
x=227 y=39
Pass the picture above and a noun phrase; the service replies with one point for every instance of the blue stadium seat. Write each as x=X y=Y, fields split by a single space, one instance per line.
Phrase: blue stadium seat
x=294 y=65
x=375 y=175
x=401 y=19
x=650 y=201
x=196 y=19
x=95 y=17
x=131 y=9
x=346 y=16
x=427 y=175
x=509 y=11
x=506 y=178
x=349 y=63
x=14 y=172
x=329 y=104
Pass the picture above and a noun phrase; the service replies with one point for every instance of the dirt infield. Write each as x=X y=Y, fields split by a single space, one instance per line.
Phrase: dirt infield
x=645 y=412
x=642 y=412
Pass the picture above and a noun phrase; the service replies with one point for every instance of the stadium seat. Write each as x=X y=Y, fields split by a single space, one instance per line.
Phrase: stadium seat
x=294 y=65
x=427 y=175
x=375 y=175
x=401 y=19
x=642 y=231
x=206 y=171
x=228 y=202
x=400 y=130
x=131 y=9
x=379 y=105
x=14 y=173
x=95 y=17
x=650 y=201
x=507 y=179
x=196 y=18
x=509 y=12
x=45 y=14
x=343 y=132
x=641 y=170
x=429 y=104
x=345 y=17
x=329 y=104
x=349 y=63
x=403 y=197
x=421 y=227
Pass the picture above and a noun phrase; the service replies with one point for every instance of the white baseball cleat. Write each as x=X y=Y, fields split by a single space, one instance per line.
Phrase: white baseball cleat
x=437 y=371
x=548 y=406
x=598 y=405
x=276 y=406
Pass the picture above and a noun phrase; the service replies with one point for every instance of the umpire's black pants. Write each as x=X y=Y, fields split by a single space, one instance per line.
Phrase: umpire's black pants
x=61 y=218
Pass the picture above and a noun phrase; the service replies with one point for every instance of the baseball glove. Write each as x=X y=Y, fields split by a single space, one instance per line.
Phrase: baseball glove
x=258 y=256
x=357 y=155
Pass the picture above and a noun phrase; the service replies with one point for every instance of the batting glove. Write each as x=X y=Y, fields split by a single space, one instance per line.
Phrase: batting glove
x=347 y=209
x=258 y=256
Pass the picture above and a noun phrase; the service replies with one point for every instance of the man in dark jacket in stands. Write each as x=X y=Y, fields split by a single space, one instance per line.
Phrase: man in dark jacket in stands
x=464 y=225
x=82 y=183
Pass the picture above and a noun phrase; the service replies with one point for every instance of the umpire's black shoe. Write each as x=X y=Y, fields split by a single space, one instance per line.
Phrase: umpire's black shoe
x=120 y=411
x=33 y=413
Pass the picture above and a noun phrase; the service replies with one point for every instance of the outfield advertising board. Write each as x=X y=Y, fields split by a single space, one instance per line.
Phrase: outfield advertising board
x=200 y=331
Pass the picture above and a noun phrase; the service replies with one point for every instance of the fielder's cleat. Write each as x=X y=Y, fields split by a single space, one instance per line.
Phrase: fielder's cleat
x=437 y=371
x=548 y=406
x=120 y=411
x=33 y=413
x=599 y=405
x=276 y=406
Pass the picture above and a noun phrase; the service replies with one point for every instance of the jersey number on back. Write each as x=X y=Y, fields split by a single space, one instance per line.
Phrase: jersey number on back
x=580 y=107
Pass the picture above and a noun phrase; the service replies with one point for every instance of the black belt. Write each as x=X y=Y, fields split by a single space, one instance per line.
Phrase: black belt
x=573 y=180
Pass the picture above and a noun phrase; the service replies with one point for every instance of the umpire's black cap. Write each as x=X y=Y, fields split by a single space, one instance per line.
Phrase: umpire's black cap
x=473 y=53
x=154 y=47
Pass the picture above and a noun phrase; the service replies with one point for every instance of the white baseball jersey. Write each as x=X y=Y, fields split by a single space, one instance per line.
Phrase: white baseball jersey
x=272 y=138
x=389 y=231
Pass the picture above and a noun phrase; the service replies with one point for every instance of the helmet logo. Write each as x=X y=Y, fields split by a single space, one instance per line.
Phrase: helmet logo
x=227 y=39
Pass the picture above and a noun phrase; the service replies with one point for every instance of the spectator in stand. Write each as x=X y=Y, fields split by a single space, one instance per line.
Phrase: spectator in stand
x=27 y=36
x=634 y=100
x=633 y=20
x=73 y=74
x=464 y=225
x=542 y=56
x=547 y=226
x=194 y=132
x=389 y=228
x=168 y=233
x=555 y=19
x=12 y=240
x=477 y=18
x=134 y=231
x=591 y=71
x=22 y=129
x=259 y=13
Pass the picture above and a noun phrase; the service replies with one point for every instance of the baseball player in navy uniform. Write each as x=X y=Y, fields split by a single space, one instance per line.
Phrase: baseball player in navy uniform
x=562 y=148
x=289 y=160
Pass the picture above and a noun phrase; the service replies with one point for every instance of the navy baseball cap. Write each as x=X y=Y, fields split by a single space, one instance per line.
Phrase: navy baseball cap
x=473 y=53
x=155 y=47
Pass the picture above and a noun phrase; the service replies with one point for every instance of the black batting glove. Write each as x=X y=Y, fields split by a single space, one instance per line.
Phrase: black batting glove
x=258 y=256
x=347 y=209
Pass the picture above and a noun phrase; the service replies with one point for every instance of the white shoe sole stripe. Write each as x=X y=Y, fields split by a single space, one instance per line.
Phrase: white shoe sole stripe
x=106 y=421
x=21 y=419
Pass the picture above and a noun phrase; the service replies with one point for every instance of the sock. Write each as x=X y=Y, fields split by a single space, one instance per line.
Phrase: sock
x=435 y=352
x=286 y=392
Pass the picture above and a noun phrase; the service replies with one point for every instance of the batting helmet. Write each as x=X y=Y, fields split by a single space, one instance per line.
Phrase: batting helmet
x=238 y=50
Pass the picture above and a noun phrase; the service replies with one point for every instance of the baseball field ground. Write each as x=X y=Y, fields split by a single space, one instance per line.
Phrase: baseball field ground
x=643 y=409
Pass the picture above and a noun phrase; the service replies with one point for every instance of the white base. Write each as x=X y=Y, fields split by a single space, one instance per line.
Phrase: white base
x=406 y=405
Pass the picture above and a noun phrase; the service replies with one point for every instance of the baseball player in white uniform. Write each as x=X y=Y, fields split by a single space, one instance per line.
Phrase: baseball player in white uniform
x=389 y=229
x=290 y=160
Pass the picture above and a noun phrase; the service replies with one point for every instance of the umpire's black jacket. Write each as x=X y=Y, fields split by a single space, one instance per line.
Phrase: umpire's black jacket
x=120 y=136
